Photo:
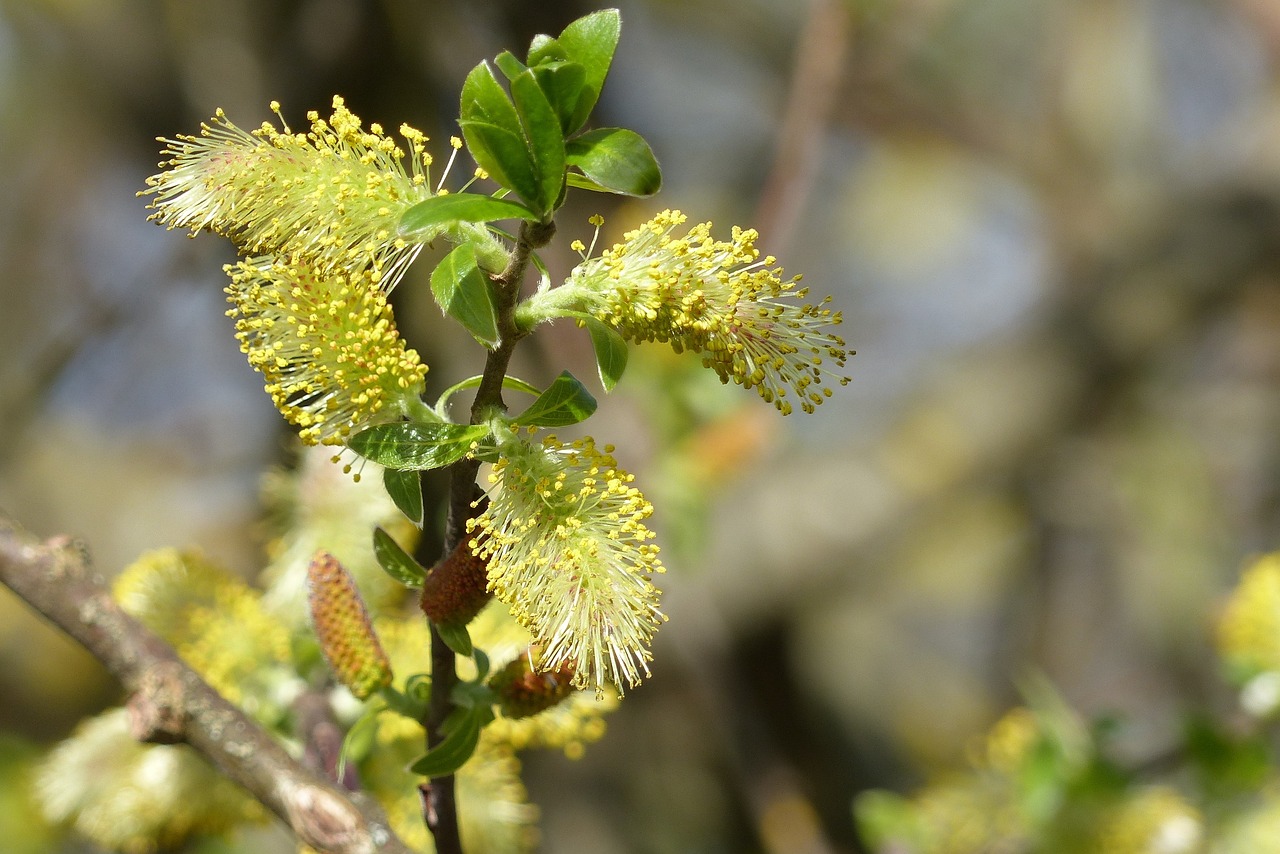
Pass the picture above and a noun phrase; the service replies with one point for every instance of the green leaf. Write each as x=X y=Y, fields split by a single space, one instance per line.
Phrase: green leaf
x=541 y=128
x=562 y=83
x=395 y=561
x=504 y=155
x=582 y=182
x=405 y=489
x=463 y=292
x=472 y=695
x=456 y=637
x=618 y=160
x=566 y=401
x=507 y=63
x=544 y=49
x=484 y=100
x=514 y=383
x=359 y=740
x=414 y=445
x=611 y=352
x=590 y=41
x=437 y=211
x=452 y=753
x=411 y=704
x=494 y=134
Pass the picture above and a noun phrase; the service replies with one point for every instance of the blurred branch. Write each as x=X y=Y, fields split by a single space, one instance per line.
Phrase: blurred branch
x=820 y=58
x=169 y=703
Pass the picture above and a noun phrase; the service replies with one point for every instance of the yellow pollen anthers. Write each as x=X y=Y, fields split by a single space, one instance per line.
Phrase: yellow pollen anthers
x=326 y=345
x=342 y=626
x=570 y=555
x=331 y=197
x=720 y=300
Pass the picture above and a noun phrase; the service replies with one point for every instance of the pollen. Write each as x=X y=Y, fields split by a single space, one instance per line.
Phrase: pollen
x=720 y=299
x=328 y=197
x=326 y=345
x=570 y=555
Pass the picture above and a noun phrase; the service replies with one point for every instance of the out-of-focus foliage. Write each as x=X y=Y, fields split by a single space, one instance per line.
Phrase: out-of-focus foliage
x=139 y=798
x=1043 y=780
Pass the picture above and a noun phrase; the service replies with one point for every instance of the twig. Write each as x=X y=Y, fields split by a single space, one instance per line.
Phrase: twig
x=170 y=703
x=439 y=802
x=815 y=80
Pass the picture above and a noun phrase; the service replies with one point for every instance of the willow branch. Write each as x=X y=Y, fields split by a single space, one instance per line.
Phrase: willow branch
x=440 y=808
x=169 y=703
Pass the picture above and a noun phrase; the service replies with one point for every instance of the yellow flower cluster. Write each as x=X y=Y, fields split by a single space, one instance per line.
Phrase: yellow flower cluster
x=569 y=554
x=214 y=621
x=1249 y=633
x=332 y=196
x=326 y=345
x=718 y=299
x=137 y=798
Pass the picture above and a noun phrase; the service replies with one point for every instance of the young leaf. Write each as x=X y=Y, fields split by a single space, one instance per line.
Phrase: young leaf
x=405 y=489
x=590 y=41
x=505 y=156
x=562 y=83
x=462 y=292
x=566 y=401
x=414 y=445
x=395 y=561
x=452 y=753
x=611 y=352
x=494 y=133
x=618 y=160
x=359 y=740
x=459 y=207
x=484 y=100
x=542 y=130
x=456 y=637
x=544 y=49
x=507 y=63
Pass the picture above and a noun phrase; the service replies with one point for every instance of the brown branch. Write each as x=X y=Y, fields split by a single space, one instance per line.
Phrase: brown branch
x=439 y=802
x=815 y=81
x=170 y=703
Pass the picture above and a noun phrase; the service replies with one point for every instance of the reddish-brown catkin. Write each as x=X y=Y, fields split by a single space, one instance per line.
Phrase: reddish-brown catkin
x=342 y=626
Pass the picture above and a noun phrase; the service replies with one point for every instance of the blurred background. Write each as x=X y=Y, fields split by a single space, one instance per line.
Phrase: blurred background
x=1053 y=227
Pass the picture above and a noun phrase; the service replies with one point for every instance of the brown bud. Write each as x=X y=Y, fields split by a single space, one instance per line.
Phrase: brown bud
x=342 y=626
x=457 y=587
x=522 y=692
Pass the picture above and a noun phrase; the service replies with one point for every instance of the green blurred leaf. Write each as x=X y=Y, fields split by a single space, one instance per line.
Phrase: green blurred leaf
x=462 y=291
x=456 y=637
x=452 y=753
x=542 y=130
x=611 y=352
x=566 y=401
x=459 y=207
x=617 y=159
x=405 y=489
x=590 y=41
x=359 y=740
x=413 y=445
x=395 y=561
x=472 y=695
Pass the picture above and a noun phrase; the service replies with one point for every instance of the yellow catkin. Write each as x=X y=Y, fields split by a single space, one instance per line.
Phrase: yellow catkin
x=721 y=300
